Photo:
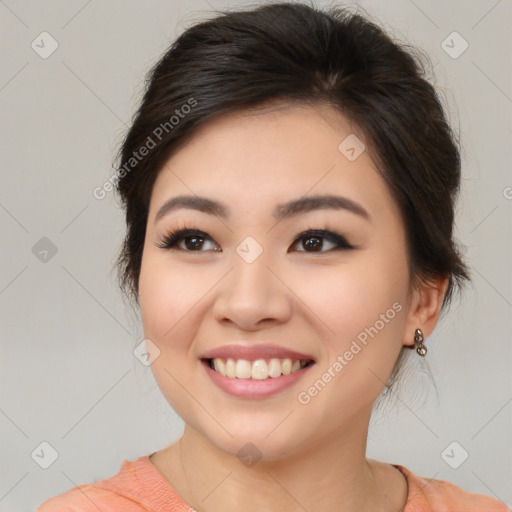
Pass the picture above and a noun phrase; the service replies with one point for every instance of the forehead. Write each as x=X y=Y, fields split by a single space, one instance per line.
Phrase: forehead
x=256 y=158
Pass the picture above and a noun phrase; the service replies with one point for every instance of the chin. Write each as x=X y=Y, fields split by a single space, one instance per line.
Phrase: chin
x=251 y=443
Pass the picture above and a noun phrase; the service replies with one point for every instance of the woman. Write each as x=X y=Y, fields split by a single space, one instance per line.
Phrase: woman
x=289 y=184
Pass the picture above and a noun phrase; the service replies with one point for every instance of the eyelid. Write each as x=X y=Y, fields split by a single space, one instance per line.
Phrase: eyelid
x=176 y=235
x=173 y=236
x=328 y=234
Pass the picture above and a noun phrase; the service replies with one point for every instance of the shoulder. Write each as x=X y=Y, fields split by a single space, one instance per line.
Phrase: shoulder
x=90 y=498
x=138 y=487
x=430 y=495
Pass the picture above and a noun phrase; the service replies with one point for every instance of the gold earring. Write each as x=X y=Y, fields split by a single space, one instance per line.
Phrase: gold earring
x=418 y=340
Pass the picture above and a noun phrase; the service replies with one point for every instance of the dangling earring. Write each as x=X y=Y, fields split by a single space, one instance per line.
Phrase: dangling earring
x=418 y=340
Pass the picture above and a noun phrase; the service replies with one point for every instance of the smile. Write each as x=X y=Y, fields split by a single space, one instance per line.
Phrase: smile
x=258 y=379
x=259 y=369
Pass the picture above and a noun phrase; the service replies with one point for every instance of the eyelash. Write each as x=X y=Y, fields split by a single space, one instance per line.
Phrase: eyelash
x=171 y=239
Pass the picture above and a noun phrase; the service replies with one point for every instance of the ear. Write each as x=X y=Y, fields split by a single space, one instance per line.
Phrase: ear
x=425 y=304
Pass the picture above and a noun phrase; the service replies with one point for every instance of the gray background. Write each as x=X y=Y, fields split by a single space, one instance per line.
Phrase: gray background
x=68 y=373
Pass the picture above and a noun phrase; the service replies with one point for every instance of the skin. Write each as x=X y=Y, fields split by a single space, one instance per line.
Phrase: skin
x=312 y=455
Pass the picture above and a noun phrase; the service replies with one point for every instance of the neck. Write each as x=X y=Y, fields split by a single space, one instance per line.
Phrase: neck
x=331 y=475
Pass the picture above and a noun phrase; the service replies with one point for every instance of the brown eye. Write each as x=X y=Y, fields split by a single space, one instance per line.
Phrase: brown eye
x=314 y=241
x=193 y=239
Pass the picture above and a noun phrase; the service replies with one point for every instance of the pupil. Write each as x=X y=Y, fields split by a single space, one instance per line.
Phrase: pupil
x=316 y=244
x=193 y=242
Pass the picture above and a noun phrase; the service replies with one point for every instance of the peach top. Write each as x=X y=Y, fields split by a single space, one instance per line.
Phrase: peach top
x=140 y=487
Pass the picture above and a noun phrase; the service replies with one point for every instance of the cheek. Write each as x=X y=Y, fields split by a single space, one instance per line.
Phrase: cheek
x=353 y=296
x=167 y=293
x=363 y=307
x=363 y=303
x=169 y=298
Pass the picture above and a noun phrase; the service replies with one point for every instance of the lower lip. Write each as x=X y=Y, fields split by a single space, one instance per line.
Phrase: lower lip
x=253 y=388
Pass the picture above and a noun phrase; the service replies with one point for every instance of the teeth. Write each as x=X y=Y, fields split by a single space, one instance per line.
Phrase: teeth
x=230 y=368
x=257 y=370
x=274 y=368
x=243 y=369
x=219 y=366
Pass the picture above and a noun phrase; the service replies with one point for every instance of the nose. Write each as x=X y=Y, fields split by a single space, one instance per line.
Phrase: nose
x=252 y=296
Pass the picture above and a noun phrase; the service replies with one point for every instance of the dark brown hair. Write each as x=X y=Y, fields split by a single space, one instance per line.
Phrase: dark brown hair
x=298 y=53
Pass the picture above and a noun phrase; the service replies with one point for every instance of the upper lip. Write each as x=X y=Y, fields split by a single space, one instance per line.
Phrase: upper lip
x=253 y=352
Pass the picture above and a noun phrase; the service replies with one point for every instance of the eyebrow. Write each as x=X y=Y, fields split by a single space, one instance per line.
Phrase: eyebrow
x=281 y=212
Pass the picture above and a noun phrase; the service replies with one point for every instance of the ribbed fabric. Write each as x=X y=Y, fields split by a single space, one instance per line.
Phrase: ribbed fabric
x=140 y=487
x=429 y=495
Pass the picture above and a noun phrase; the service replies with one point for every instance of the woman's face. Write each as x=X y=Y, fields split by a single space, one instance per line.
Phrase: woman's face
x=253 y=277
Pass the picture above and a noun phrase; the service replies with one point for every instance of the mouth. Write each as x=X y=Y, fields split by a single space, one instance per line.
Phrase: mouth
x=257 y=369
